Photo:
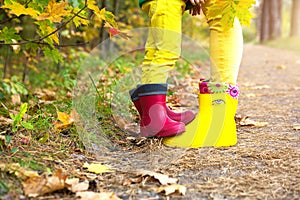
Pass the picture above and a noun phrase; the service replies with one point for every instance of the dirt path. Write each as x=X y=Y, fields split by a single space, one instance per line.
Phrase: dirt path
x=266 y=162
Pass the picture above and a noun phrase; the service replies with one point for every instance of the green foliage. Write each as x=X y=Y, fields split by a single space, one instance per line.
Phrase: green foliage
x=57 y=23
x=18 y=119
x=13 y=86
x=9 y=35
x=53 y=54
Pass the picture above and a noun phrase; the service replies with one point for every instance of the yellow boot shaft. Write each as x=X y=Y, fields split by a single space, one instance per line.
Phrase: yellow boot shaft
x=214 y=124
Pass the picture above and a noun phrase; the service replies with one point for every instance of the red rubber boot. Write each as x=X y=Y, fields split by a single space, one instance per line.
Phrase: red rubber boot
x=155 y=121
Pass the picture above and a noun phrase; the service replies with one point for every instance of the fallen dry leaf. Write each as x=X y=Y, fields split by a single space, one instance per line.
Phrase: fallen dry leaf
x=5 y=121
x=19 y=171
x=65 y=120
x=280 y=67
x=170 y=189
x=45 y=95
x=75 y=186
x=87 y=195
x=162 y=178
x=38 y=186
x=133 y=181
x=246 y=121
x=97 y=168
x=296 y=127
x=15 y=99
x=125 y=124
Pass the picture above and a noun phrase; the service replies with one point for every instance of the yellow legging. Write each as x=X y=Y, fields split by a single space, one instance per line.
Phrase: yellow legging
x=163 y=46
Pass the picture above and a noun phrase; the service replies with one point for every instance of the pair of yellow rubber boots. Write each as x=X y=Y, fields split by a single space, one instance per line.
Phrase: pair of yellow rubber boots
x=214 y=125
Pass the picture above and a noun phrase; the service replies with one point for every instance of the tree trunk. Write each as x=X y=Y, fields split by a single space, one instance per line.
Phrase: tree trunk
x=295 y=24
x=271 y=20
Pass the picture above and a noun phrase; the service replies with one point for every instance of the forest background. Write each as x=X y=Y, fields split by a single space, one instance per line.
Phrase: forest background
x=43 y=43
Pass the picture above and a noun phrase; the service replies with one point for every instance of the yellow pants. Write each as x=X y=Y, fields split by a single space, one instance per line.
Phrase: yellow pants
x=163 y=46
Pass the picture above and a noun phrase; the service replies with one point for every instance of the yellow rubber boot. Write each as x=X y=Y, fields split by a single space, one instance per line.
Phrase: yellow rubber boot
x=214 y=124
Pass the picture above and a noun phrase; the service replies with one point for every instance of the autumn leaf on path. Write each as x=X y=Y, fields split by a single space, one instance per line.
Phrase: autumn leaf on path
x=65 y=120
x=162 y=178
x=246 y=121
x=5 y=121
x=40 y=185
x=87 y=195
x=296 y=127
x=170 y=189
x=97 y=168
x=75 y=186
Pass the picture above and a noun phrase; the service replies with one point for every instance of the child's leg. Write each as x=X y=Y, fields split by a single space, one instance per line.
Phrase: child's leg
x=164 y=39
x=226 y=49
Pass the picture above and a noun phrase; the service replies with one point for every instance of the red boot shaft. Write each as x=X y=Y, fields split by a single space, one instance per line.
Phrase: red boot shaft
x=155 y=120
x=185 y=117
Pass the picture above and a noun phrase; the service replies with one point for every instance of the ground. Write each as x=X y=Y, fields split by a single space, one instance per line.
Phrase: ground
x=265 y=164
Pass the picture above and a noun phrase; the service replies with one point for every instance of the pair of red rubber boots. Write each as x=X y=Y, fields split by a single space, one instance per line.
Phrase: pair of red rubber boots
x=157 y=120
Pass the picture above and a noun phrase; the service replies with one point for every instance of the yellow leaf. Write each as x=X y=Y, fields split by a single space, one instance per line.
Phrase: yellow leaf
x=54 y=36
x=63 y=117
x=19 y=9
x=55 y=11
x=97 y=168
x=80 y=20
x=65 y=120
x=99 y=13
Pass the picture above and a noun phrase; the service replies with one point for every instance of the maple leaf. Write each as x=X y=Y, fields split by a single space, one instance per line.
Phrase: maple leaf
x=9 y=34
x=18 y=9
x=65 y=120
x=102 y=14
x=99 y=13
x=78 y=20
x=228 y=10
x=55 y=11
